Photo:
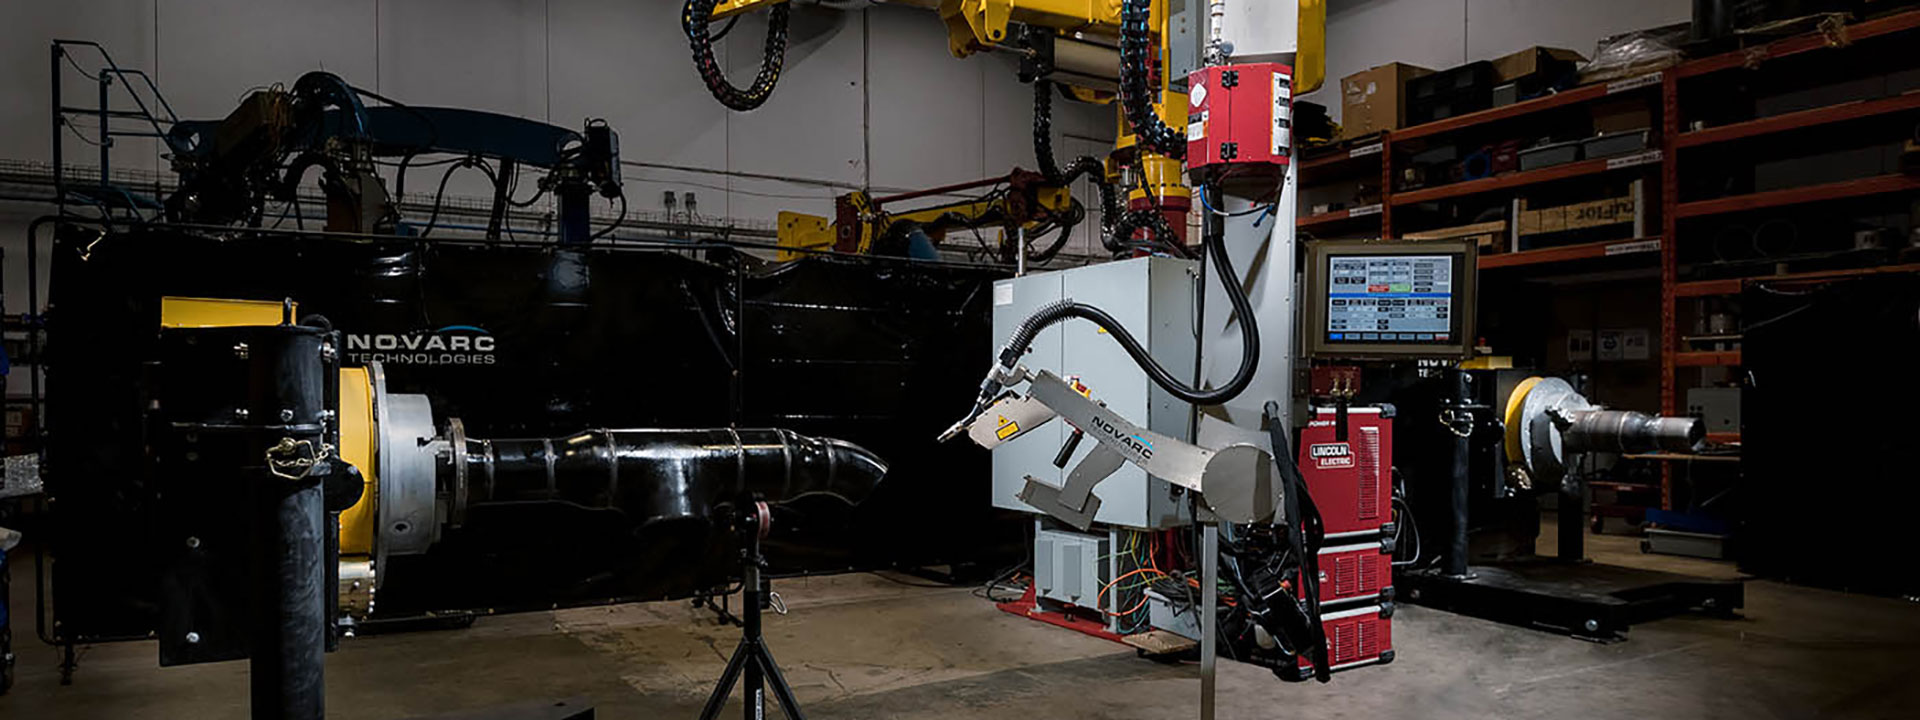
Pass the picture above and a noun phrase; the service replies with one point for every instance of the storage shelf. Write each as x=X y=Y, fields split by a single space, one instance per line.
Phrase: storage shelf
x=1560 y=99
x=1330 y=162
x=1570 y=253
x=1733 y=286
x=1795 y=45
x=1524 y=178
x=1707 y=358
x=1802 y=119
x=1795 y=196
x=1339 y=216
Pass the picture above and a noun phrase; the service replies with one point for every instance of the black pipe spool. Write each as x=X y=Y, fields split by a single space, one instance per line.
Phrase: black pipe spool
x=653 y=476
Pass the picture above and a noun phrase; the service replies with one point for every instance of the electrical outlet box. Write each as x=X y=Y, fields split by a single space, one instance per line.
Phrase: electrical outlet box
x=1069 y=567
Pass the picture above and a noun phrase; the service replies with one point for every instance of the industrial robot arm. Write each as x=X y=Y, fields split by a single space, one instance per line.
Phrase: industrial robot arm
x=1272 y=528
x=1238 y=482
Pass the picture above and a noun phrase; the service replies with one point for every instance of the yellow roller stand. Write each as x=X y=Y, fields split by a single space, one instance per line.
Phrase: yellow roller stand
x=1512 y=416
x=357 y=447
x=186 y=312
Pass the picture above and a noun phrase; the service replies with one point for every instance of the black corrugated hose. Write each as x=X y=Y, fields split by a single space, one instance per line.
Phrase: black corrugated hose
x=1053 y=313
x=1085 y=165
x=697 y=16
x=1136 y=93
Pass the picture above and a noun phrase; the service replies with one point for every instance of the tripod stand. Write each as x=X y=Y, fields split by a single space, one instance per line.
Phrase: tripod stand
x=752 y=656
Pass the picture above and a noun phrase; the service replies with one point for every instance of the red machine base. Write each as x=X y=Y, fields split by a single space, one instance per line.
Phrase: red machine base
x=1024 y=607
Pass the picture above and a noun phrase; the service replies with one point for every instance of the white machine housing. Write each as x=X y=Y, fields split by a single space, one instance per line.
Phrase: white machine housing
x=1153 y=298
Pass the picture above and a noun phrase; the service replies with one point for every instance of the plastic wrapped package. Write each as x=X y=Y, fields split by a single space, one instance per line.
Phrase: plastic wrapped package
x=1635 y=53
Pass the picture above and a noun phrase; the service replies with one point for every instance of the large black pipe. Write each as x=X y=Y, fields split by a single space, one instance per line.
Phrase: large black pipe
x=653 y=475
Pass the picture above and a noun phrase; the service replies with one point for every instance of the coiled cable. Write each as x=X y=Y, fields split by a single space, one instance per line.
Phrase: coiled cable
x=1083 y=166
x=1054 y=313
x=696 y=18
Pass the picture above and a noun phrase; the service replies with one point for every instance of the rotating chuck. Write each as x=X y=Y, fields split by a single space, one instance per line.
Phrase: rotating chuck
x=1548 y=423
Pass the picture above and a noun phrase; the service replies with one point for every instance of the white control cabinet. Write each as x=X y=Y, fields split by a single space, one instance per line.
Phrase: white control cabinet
x=1154 y=299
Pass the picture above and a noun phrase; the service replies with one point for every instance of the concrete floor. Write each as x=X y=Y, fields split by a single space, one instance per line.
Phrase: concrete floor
x=860 y=646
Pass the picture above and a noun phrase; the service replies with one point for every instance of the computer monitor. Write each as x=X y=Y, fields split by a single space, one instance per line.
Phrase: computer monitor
x=1388 y=299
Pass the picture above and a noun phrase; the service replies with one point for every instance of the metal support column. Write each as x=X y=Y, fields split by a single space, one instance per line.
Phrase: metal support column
x=1572 y=515
x=1209 y=618
x=1460 y=395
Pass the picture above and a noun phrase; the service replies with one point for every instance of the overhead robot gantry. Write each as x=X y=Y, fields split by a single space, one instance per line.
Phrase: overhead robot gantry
x=1115 y=52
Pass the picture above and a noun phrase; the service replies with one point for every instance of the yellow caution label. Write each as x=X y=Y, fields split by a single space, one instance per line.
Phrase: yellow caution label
x=1007 y=429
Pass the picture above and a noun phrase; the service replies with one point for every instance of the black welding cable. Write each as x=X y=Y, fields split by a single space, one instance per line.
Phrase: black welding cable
x=440 y=195
x=722 y=35
x=1084 y=166
x=605 y=231
x=1072 y=219
x=1054 y=313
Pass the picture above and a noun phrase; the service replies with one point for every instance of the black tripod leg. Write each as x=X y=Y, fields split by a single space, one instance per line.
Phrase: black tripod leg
x=780 y=690
x=718 y=699
x=753 y=690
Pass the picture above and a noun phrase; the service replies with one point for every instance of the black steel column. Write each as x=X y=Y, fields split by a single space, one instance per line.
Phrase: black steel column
x=1460 y=394
x=753 y=691
x=576 y=214
x=1573 y=516
x=287 y=538
x=289 y=599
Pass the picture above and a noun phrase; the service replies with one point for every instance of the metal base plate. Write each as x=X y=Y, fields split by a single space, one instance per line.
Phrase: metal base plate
x=1675 y=542
x=1587 y=600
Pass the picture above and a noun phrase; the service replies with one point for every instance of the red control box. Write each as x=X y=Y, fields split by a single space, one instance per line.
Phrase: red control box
x=1351 y=479
x=1240 y=115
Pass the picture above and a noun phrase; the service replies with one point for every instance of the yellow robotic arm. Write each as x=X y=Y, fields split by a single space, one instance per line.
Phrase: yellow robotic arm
x=1077 y=45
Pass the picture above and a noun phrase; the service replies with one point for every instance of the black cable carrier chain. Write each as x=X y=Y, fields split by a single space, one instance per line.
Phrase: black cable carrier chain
x=696 y=19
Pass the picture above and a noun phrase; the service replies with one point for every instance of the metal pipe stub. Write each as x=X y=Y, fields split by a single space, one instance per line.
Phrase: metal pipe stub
x=1548 y=422
x=1626 y=431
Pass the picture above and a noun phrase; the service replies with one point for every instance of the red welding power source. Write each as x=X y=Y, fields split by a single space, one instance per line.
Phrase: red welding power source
x=1360 y=572
x=1240 y=115
x=1356 y=638
x=1350 y=479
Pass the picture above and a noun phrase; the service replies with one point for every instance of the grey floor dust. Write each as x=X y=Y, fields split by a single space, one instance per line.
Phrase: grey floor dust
x=859 y=646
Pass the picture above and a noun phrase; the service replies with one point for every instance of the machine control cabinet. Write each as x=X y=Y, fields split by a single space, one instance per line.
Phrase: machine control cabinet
x=1240 y=115
x=1153 y=298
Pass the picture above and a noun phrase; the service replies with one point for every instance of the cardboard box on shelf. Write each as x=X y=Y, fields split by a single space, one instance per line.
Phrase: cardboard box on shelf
x=1610 y=211
x=1513 y=66
x=1490 y=236
x=1541 y=222
x=1624 y=115
x=1577 y=216
x=1374 y=100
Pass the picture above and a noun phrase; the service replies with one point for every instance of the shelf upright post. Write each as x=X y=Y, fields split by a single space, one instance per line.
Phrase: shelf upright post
x=1669 y=262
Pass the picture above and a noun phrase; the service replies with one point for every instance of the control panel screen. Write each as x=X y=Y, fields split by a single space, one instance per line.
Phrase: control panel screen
x=1402 y=299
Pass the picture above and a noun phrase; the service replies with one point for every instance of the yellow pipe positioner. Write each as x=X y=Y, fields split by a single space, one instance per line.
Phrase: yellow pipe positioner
x=357 y=443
